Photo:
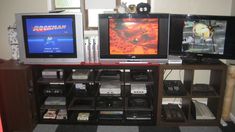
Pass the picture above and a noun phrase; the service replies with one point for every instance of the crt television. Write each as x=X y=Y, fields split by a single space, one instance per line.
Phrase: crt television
x=50 y=38
x=202 y=36
x=133 y=37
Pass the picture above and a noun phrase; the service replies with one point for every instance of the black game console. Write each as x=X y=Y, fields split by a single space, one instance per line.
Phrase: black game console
x=139 y=102
x=82 y=103
x=54 y=90
x=202 y=88
x=139 y=115
x=174 y=87
x=139 y=75
x=109 y=102
x=172 y=113
x=110 y=115
x=108 y=75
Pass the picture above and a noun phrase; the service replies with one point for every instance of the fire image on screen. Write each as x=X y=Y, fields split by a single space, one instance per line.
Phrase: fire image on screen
x=50 y=35
x=204 y=36
x=133 y=36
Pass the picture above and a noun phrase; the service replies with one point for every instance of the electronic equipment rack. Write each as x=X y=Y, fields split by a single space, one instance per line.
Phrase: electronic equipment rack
x=97 y=93
x=126 y=94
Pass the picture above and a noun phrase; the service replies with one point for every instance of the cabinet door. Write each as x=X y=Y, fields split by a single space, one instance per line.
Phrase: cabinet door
x=16 y=98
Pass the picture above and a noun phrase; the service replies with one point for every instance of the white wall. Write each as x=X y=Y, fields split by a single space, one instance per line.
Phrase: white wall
x=205 y=7
x=8 y=8
x=233 y=8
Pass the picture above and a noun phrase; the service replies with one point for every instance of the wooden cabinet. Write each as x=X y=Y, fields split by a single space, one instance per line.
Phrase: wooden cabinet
x=17 y=98
x=211 y=97
x=18 y=105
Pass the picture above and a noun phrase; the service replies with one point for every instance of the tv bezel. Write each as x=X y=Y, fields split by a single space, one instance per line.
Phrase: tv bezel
x=176 y=33
x=161 y=57
x=54 y=58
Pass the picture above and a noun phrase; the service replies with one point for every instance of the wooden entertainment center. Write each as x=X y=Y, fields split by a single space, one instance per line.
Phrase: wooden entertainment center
x=121 y=107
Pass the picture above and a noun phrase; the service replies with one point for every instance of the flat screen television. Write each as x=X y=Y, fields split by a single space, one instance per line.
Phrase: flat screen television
x=133 y=37
x=50 y=38
x=201 y=37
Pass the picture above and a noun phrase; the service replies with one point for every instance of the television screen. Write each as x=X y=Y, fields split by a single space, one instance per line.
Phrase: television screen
x=137 y=36
x=133 y=37
x=50 y=38
x=49 y=35
x=202 y=36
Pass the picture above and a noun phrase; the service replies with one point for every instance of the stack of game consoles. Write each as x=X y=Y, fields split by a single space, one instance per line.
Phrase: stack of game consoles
x=111 y=108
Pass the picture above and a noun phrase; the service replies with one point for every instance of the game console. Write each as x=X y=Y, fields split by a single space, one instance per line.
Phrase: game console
x=53 y=73
x=82 y=103
x=172 y=113
x=202 y=88
x=174 y=60
x=110 y=91
x=80 y=74
x=55 y=101
x=174 y=87
x=201 y=111
x=54 y=89
x=139 y=75
x=110 y=115
x=109 y=75
x=110 y=88
x=138 y=88
x=109 y=102
x=139 y=115
x=139 y=102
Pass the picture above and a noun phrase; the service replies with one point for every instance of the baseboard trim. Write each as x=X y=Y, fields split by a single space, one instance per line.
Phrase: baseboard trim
x=232 y=117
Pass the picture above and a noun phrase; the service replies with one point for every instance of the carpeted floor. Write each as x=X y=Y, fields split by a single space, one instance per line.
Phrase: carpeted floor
x=104 y=128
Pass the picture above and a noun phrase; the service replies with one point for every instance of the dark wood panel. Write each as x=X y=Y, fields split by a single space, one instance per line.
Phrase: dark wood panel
x=17 y=102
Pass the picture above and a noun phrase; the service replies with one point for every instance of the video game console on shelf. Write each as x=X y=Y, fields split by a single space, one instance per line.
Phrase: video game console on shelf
x=138 y=102
x=110 y=88
x=80 y=74
x=110 y=115
x=139 y=115
x=109 y=102
x=53 y=73
x=138 y=89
